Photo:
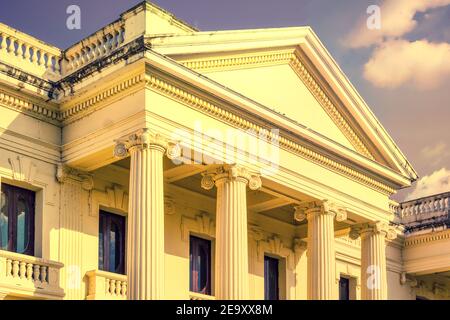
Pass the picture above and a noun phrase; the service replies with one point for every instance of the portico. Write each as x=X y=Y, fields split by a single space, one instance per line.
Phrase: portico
x=199 y=165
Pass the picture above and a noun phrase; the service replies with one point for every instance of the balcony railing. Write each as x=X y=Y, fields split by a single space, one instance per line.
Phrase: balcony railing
x=430 y=208
x=199 y=296
x=97 y=46
x=23 y=276
x=106 y=286
x=29 y=54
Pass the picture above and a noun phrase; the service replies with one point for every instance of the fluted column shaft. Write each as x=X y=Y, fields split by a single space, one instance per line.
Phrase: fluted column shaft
x=145 y=232
x=232 y=241
x=231 y=277
x=321 y=255
x=145 y=246
x=373 y=264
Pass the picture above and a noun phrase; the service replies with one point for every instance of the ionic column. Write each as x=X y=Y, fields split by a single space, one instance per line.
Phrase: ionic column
x=373 y=258
x=231 y=278
x=145 y=233
x=320 y=249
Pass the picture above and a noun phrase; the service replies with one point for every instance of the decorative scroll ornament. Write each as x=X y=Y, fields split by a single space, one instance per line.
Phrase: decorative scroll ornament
x=374 y=227
x=169 y=206
x=230 y=172
x=300 y=246
x=323 y=207
x=146 y=139
x=64 y=172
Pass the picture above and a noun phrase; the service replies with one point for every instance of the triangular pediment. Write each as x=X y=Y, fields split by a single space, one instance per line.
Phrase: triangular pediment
x=279 y=87
x=290 y=71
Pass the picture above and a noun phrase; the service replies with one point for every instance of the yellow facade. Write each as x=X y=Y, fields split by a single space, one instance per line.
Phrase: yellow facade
x=253 y=139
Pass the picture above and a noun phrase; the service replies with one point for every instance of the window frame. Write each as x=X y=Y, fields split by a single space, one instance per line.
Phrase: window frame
x=119 y=220
x=199 y=241
x=267 y=261
x=13 y=194
x=348 y=284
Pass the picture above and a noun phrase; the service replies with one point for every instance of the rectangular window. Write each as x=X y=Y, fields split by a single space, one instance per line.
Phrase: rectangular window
x=17 y=207
x=271 y=277
x=200 y=265
x=344 y=289
x=111 y=243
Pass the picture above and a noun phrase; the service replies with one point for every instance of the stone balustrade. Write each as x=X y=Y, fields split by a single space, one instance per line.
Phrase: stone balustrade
x=106 y=286
x=199 y=296
x=97 y=46
x=29 y=277
x=430 y=208
x=29 y=54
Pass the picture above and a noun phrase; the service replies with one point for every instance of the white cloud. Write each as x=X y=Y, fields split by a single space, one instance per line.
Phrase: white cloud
x=436 y=154
x=397 y=19
x=420 y=63
x=435 y=183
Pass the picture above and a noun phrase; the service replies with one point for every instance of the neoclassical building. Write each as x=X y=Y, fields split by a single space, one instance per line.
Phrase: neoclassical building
x=152 y=160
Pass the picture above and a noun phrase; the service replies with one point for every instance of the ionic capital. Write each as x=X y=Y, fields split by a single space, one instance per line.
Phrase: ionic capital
x=320 y=207
x=230 y=173
x=146 y=139
x=377 y=227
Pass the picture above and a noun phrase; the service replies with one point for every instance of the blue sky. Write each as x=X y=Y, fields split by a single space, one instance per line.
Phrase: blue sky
x=417 y=119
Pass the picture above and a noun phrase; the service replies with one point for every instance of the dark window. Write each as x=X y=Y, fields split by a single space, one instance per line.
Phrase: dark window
x=200 y=265
x=271 y=288
x=344 y=289
x=17 y=220
x=111 y=243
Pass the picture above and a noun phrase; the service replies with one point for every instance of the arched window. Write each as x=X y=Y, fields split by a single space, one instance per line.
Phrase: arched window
x=200 y=265
x=111 y=243
x=17 y=219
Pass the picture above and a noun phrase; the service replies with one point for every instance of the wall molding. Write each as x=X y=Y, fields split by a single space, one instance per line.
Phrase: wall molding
x=201 y=224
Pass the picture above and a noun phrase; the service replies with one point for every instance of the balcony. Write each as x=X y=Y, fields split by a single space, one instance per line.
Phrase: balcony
x=25 y=277
x=106 y=286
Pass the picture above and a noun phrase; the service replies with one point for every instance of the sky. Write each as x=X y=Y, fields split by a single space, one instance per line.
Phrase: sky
x=402 y=69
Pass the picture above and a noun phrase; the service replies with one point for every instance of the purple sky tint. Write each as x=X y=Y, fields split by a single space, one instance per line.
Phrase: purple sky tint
x=416 y=119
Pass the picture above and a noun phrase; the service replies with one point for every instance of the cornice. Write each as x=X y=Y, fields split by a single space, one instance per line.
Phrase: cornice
x=291 y=58
x=28 y=106
x=75 y=111
x=413 y=241
x=195 y=101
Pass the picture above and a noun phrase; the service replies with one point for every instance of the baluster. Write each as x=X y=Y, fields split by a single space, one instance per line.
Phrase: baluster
x=27 y=54
x=93 y=51
x=118 y=287
x=98 y=48
x=82 y=57
x=34 y=57
x=124 y=289
x=57 y=65
x=107 y=43
x=49 y=64
x=40 y=57
x=3 y=42
x=19 y=52
x=22 y=269
x=9 y=267
x=29 y=271
x=43 y=273
x=10 y=47
x=108 y=285
x=37 y=272
x=104 y=44
x=15 y=270
x=113 y=286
